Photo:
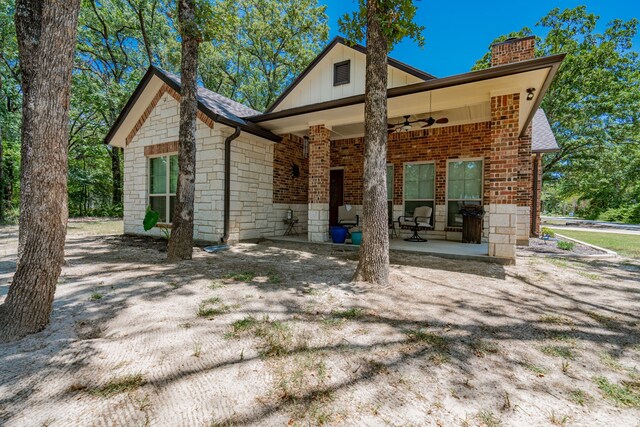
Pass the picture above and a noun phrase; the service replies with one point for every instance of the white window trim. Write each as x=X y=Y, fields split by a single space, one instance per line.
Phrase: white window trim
x=404 y=186
x=446 y=186
x=390 y=196
x=167 y=194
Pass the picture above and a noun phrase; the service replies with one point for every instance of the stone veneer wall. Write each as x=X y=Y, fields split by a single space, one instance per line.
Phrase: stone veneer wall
x=253 y=213
x=438 y=145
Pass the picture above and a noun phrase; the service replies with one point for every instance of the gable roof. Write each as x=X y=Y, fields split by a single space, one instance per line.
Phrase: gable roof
x=218 y=108
x=542 y=138
x=391 y=62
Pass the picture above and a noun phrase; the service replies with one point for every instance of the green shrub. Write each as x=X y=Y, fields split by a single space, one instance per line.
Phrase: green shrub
x=547 y=231
x=627 y=214
x=565 y=246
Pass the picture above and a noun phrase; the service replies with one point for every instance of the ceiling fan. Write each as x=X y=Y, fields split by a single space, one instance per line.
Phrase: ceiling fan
x=406 y=125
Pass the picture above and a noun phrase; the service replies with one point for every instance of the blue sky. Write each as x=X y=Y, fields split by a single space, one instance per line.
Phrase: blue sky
x=458 y=33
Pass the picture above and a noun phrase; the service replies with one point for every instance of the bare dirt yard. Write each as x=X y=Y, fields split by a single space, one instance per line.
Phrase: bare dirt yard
x=273 y=334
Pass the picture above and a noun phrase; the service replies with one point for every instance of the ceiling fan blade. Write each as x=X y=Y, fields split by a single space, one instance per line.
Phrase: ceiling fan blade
x=442 y=121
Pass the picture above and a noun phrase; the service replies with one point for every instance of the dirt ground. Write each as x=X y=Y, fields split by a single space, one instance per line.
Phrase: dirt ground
x=275 y=334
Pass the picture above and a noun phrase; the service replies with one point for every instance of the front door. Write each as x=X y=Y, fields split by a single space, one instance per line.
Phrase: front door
x=336 y=190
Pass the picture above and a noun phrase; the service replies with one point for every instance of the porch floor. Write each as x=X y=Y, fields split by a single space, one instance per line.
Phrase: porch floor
x=441 y=248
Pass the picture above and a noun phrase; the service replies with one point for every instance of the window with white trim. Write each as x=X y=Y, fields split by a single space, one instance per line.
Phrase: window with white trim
x=464 y=187
x=163 y=183
x=419 y=186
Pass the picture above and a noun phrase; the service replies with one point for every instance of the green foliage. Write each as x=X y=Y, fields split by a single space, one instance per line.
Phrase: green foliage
x=151 y=218
x=626 y=394
x=396 y=18
x=626 y=214
x=547 y=231
x=593 y=109
x=262 y=46
x=565 y=246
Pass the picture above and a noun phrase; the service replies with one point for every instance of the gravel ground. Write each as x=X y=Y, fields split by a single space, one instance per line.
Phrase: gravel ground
x=276 y=334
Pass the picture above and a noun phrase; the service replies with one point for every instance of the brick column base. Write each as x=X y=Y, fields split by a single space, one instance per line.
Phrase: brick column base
x=503 y=220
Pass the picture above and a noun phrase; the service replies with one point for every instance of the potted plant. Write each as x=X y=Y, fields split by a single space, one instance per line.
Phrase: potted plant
x=356 y=235
x=338 y=233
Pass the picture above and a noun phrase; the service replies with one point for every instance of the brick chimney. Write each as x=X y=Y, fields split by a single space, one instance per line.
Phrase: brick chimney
x=512 y=50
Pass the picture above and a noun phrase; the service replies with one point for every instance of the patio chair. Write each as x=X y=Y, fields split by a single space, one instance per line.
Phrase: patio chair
x=348 y=217
x=421 y=220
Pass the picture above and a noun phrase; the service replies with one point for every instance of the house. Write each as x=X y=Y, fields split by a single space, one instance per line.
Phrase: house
x=473 y=138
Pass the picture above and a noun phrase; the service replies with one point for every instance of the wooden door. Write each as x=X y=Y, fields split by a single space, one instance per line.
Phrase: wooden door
x=336 y=194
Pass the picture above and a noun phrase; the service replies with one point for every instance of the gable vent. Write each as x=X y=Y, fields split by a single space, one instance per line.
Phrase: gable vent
x=341 y=73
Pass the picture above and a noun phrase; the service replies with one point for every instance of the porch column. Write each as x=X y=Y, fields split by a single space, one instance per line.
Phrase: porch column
x=503 y=181
x=319 y=164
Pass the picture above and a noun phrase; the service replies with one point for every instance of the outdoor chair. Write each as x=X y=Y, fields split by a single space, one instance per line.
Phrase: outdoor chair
x=421 y=220
x=348 y=217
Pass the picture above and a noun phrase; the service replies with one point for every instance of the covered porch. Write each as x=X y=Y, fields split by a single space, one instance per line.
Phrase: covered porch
x=439 y=248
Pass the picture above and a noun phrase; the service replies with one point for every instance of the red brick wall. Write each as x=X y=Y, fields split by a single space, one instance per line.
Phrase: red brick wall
x=439 y=145
x=525 y=170
x=286 y=187
x=319 y=157
x=503 y=179
x=535 y=212
x=511 y=51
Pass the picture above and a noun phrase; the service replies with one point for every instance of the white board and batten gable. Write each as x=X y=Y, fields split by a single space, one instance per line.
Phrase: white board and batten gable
x=317 y=83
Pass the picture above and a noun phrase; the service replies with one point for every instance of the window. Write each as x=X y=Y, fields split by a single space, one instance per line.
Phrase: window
x=464 y=186
x=341 y=73
x=419 y=186
x=163 y=182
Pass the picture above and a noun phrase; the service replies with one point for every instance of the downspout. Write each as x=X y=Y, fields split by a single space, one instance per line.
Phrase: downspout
x=227 y=181
x=536 y=171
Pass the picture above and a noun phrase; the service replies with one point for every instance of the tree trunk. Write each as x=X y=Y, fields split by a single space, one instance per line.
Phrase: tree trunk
x=373 y=266
x=181 y=240
x=116 y=174
x=2 y=184
x=46 y=32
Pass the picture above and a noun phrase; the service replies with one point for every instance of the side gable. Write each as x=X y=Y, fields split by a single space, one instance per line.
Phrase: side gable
x=316 y=84
x=164 y=89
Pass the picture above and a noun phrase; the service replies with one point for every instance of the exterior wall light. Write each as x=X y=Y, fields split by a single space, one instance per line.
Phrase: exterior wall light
x=530 y=93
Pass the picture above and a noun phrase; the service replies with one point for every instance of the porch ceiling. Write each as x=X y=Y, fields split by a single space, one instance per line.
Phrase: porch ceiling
x=462 y=99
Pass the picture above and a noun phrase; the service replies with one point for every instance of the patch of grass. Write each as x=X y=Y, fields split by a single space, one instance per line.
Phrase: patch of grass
x=119 y=385
x=626 y=394
x=624 y=244
x=561 y=337
x=276 y=336
x=197 y=349
x=246 y=276
x=273 y=276
x=439 y=358
x=538 y=370
x=482 y=347
x=592 y=276
x=215 y=284
x=579 y=397
x=349 y=314
x=174 y=285
x=562 y=351
x=554 y=319
x=95 y=296
x=611 y=362
x=436 y=341
x=488 y=419
x=211 y=307
x=565 y=245
x=560 y=263
x=558 y=420
x=606 y=321
x=243 y=325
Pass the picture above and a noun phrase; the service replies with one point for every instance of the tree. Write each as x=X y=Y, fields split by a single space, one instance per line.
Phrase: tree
x=46 y=32
x=181 y=240
x=386 y=23
x=262 y=46
x=593 y=107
